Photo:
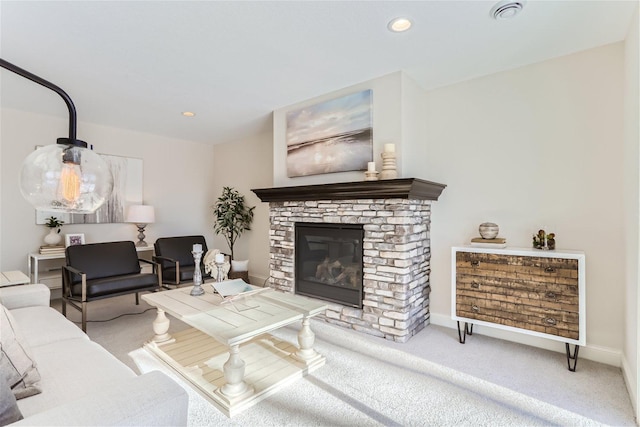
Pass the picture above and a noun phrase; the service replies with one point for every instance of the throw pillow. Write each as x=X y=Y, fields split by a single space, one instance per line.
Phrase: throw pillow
x=240 y=265
x=9 y=411
x=16 y=362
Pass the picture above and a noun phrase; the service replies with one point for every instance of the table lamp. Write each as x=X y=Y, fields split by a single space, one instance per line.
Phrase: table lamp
x=140 y=215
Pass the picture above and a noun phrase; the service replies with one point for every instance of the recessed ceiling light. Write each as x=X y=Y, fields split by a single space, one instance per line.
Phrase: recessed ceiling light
x=399 y=25
x=507 y=9
x=188 y=113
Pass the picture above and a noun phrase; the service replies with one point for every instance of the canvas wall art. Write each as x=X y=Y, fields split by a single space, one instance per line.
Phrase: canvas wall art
x=332 y=136
x=127 y=190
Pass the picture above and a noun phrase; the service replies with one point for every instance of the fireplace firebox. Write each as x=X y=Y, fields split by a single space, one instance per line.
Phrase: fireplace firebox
x=328 y=262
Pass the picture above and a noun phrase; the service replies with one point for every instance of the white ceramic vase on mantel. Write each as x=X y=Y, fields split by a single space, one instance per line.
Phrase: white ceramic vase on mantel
x=53 y=238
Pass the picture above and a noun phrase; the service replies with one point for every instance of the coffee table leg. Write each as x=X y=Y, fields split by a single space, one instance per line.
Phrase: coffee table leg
x=234 y=374
x=161 y=328
x=306 y=338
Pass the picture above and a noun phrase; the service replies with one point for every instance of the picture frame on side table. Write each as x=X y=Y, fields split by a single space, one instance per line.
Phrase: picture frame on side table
x=73 y=239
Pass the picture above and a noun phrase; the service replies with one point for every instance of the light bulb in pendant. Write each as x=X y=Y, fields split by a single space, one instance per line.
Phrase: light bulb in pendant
x=69 y=187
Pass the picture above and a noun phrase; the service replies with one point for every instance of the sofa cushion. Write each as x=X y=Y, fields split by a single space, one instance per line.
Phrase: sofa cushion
x=98 y=260
x=71 y=369
x=43 y=325
x=17 y=365
x=25 y=296
x=112 y=285
x=9 y=411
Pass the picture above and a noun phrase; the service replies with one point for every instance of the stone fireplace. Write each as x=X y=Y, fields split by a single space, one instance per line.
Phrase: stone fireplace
x=395 y=219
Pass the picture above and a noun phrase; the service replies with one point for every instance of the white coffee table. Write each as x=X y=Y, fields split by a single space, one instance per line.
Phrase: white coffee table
x=222 y=329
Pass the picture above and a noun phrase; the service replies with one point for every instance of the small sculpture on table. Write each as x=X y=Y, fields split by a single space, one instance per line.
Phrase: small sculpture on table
x=389 y=162
x=371 y=174
x=544 y=241
x=197 y=274
x=220 y=262
x=216 y=264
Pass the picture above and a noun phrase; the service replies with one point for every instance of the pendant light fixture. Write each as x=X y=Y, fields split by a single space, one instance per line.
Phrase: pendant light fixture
x=63 y=177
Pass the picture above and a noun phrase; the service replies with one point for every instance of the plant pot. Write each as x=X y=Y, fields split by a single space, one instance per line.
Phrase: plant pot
x=53 y=238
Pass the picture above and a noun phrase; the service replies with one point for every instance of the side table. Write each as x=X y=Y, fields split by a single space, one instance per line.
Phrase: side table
x=13 y=278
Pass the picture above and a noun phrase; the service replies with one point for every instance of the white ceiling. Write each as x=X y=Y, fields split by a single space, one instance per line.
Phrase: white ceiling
x=138 y=65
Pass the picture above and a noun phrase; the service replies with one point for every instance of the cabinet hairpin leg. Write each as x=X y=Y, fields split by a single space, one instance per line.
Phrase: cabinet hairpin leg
x=466 y=330
x=571 y=357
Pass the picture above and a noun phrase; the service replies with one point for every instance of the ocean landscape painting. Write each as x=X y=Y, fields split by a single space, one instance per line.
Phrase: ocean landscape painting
x=332 y=136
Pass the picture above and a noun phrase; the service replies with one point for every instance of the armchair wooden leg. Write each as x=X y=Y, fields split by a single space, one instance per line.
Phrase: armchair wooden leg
x=84 y=317
x=137 y=298
x=64 y=307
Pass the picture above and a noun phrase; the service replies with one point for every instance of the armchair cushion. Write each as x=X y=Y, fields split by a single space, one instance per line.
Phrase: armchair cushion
x=99 y=260
x=173 y=254
x=103 y=270
x=111 y=269
x=178 y=249
x=186 y=273
x=114 y=285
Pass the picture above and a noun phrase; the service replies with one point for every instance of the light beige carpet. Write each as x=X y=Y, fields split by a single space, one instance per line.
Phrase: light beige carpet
x=363 y=380
x=366 y=384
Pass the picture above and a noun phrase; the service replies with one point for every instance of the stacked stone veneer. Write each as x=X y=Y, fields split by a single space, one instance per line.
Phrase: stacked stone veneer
x=396 y=260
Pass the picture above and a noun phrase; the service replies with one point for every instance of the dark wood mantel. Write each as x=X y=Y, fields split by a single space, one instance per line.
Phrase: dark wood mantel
x=404 y=188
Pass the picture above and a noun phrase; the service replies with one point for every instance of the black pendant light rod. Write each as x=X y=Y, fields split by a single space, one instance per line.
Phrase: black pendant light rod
x=72 y=109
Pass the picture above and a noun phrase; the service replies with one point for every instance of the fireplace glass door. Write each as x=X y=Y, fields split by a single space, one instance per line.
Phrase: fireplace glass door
x=328 y=262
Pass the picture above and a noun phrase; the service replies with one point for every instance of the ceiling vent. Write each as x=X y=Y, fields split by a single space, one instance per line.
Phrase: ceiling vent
x=506 y=9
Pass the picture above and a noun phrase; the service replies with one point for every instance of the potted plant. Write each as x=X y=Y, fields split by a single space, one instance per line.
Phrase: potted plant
x=233 y=216
x=54 y=224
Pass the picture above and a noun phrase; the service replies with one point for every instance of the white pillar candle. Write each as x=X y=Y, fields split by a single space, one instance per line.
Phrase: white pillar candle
x=197 y=247
x=371 y=166
x=389 y=148
x=219 y=258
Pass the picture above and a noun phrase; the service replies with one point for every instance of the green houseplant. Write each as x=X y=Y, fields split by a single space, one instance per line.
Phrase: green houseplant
x=53 y=222
x=232 y=215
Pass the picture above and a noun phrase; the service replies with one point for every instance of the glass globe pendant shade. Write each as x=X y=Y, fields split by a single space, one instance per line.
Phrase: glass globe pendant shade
x=65 y=178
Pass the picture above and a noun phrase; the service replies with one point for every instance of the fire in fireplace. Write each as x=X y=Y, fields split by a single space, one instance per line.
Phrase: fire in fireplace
x=328 y=262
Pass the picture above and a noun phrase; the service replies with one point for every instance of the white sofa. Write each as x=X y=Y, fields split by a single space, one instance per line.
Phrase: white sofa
x=82 y=383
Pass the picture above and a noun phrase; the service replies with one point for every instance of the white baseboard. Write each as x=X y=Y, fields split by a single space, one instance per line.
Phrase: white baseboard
x=631 y=383
x=609 y=356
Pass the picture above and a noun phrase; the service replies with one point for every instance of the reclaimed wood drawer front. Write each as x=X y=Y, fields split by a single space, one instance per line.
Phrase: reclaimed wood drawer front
x=549 y=321
x=534 y=293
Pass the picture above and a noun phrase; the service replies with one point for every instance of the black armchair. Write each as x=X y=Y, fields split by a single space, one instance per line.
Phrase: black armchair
x=173 y=256
x=103 y=270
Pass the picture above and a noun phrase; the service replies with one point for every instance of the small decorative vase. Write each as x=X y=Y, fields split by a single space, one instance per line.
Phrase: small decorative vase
x=488 y=230
x=53 y=238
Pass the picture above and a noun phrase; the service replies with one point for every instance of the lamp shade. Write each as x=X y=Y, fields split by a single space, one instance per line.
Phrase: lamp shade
x=65 y=178
x=140 y=214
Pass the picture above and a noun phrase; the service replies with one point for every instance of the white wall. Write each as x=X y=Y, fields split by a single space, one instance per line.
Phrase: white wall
x=246 y=165
x=631 y=207
x=414 y=131
x=540 y=145
x=178 y=181
x=537 y=146
x=387 y=128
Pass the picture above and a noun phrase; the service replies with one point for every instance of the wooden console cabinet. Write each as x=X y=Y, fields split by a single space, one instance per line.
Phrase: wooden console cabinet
x=535 y=292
